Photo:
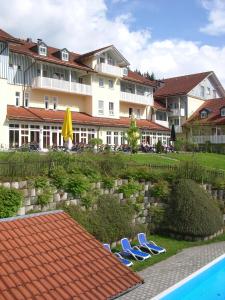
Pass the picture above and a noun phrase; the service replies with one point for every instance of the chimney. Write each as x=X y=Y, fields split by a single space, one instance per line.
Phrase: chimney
x=39 y=41
x=29 y=40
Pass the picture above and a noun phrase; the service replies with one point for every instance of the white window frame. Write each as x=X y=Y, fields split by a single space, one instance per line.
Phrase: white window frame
x=101 y=82
x=222 y=112
x=46 y=102
x=208 y=91
x=17 y=99
x=203 y=114
x=111 y=108
x=202 y=91
x=100 y=107
x=54 y=102
x=42 y=50
x=65 y=55
x=138 y=113
x=111 y=84
x=26 y=99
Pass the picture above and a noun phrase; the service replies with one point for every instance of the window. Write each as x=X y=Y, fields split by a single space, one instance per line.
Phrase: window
x=19 y=68
x=100 y=107
x=64 y=55
x=102 y=60
x=202 y=91
x=138 y=113
x=176 y=122
x=17 y=99
x=111 y=108
x=54 y=102
x=125 y=71
x=222 y=111
x=203 y=114
x=161 y=116
x=13 y=135
x=214 y=93
x=130 y=112
x=116 y=138
x=11 y=65
x=108 y=137
x=42 y=50
x=80 y=80
x=111 y=60
x=208 y=91
x=111 y=84
x=101 y=82
x=83 y=135
x=46 y=101
x=26 y=99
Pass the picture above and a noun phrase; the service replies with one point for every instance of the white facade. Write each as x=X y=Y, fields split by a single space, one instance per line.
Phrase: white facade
x=31 y=83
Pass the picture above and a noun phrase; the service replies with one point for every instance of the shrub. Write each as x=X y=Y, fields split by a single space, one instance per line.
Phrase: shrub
x=111 y=164
x=192 y=211
x=129 y=189
x=108 y=182
x=159 y=147
x=59 y=177
x=77 y=185
x=157 y=215
x=95 y=142
x=41 y=182
x=10 y=201
x=218 y=183
x=190 y=169
x=160 y=189
x=44 y=198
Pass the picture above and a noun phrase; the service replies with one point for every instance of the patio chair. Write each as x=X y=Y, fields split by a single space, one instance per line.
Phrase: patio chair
x=149 y=245
x=135 y=252
x=124 y=261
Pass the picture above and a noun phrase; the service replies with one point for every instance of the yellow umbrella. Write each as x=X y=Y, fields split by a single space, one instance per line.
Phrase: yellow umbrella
x=67 y=129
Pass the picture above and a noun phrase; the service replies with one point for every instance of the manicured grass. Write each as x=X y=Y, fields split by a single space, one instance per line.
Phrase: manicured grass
x=172 y=246
x=208 y=160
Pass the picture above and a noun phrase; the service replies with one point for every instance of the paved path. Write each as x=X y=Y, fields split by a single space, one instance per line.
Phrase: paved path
x=162 y=275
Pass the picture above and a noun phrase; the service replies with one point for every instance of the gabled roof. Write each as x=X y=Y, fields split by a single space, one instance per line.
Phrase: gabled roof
x=41 y=115
x=158 y=105
x=135 y=77
x=213 y=107
x=50 y=256
x=4 y=36
x=100 y=50
x=180 y=85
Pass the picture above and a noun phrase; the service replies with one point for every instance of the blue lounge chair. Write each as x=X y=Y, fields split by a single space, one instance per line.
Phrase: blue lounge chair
x=149 y=245
x=135 y=252
x=124 y=261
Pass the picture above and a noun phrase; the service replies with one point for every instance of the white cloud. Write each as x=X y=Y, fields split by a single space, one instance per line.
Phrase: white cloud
x=81 y=28
x=216 y=10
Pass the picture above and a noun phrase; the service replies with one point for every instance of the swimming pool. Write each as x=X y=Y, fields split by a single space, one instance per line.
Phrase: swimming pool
x=208 y=283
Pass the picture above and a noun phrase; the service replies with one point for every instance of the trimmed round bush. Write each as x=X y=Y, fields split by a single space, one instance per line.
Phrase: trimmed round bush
x=10 y=201
x=192 y=211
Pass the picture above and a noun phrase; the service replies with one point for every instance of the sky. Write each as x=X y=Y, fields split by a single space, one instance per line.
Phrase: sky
x=167 y=37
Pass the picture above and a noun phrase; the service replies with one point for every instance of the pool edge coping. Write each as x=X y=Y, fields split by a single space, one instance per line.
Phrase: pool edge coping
x=188 y=278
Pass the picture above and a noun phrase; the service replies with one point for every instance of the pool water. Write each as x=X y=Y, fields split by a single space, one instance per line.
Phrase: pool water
x=206 y=284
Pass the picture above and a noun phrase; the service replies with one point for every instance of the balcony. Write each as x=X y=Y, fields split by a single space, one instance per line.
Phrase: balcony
x=138 y=99
x=214 y=139
x=109 y=69
x=177 y=112
x=61 y=85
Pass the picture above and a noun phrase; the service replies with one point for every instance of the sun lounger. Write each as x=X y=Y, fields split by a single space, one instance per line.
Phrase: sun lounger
x=135 y=252
x=149 y=245
x=123 y=260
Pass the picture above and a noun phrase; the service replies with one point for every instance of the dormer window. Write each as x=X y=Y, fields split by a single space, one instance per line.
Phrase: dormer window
x=204 y=114
x=65 y=55
x=222 y=112
x=42 y=49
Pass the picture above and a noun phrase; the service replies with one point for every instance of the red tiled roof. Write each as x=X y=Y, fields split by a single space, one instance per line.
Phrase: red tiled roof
x=159 y=105
x=214 y=117
x=50 y=256
x=180 y=85
x=88 y=54
x=41 y=115
x=133 y=76
x=7 y=37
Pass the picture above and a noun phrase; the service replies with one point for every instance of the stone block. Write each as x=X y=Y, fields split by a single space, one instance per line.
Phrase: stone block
x=39 y=191
x=93 y=185
x=23 y=184
x=125 y=181
x=15 y=185
x=45 y=207
x=146 y=200
x=27 y=201
x=116 y=183
x=32 y=192
x=111 y=191
x=56 y=197
x=74 y=201
x=123 y=201
x=6 y=184
x=120 y=195
x=119 y=182
x=25 y=192
x=37 y=207
x=146 y=188
x=98 y=185
x=33 y=200
x=147 y=205
x=145 y=212
x=63 y=197
x=29 y=208
x=52 y=205
x=21 y=211
x=113 y=245
x=101 y=191
x=51 y=199
x=106 y=191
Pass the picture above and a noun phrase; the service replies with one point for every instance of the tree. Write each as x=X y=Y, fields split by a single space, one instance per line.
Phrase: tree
x=173 y=134
x=133 y=135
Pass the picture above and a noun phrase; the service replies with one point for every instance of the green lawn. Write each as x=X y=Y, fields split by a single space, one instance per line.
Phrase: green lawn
x=209 y=160
x=172 y=246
